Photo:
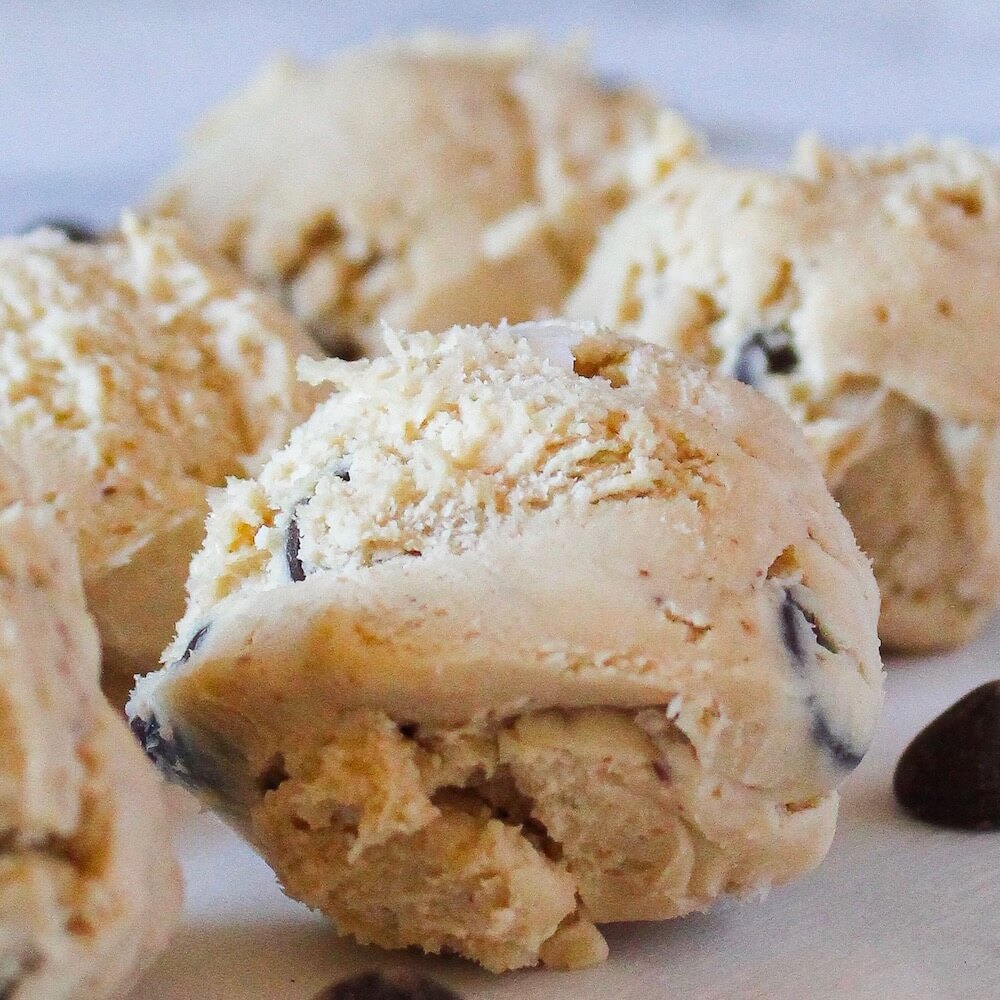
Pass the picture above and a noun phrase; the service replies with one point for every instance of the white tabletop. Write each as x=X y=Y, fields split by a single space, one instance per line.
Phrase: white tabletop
x=93 y=100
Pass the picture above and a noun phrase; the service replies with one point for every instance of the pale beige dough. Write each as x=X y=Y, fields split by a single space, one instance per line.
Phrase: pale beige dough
x=874 y=277
x=135 y=372
x=426 y=182
x=527 y=629
x=89 y=889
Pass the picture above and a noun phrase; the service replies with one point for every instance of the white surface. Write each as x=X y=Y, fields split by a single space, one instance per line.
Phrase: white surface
x=899 y=910
x=93 y=98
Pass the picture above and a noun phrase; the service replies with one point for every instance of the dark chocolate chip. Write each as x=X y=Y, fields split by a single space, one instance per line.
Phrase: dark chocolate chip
x=799 y=629
x=408 y=729
x=196 y=760
x=333 y=340
x=950 y=774
x=765 y=352
x=292 y=542
x=74 y=230
x=387 y=986
x=844 y=755
x=795 y=621
x=164 y=753
x=792 y=619
x=193 y=643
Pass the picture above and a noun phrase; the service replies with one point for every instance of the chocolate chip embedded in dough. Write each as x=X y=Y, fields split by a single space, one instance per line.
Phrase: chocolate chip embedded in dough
x=796 y=624
x=765 y=352
x=949 y=775
x=74 y=230
x=193 y=643
x=800 y=630
x=842 y=753
x=292 y=541
x=387 y=986
x=163 y=752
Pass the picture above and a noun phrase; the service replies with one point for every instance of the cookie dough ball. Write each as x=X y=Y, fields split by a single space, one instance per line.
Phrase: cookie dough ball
x=859 y=291
x=89 y=891
x=426 y=182
x=525 y=630
x=134 y=373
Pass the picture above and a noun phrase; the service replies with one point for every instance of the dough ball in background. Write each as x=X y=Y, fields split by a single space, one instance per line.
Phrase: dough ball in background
x=425 y=182
x=860 y=292
x=89 y=889
x=526 y=629
x=136 y=372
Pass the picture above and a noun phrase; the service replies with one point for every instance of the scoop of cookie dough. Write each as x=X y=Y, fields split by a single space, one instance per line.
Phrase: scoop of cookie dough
x=525 y=630
x=426 y=182
x=135 y=373
x=89 y=891
x=860 y=292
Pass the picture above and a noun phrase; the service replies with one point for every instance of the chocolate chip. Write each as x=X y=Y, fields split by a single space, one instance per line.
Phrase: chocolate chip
x=797 y=623
x=164 y=753
x=343 y=472
x=799 y=631
x=74 y=230
x=408 y=729
x=193 y=643
x=765 y=352
x=292 y=542
x=844 y=755
x=387 y=986
x=950 y=774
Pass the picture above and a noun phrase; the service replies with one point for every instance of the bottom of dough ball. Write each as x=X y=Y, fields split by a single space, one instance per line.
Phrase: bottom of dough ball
x=921 y=510
x=506 y=842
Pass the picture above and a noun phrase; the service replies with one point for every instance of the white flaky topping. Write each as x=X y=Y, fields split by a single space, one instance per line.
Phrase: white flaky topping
x=135 y=372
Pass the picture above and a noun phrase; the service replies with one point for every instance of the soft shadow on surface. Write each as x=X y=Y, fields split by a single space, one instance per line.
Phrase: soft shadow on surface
x=290 y=959
x=284 y=960
x=638 y=940
x=294 y=959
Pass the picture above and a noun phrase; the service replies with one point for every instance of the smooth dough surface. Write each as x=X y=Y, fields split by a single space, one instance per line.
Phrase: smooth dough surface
x=525 y=630
x=426 y=182
x=89 y=889
x=135 y=372
x=859 y=291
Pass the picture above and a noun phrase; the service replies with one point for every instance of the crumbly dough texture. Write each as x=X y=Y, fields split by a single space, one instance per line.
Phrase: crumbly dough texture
x=860 y=292
x=134 y=373
x=426 y=182
x=525 y=630
x=89 y=890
